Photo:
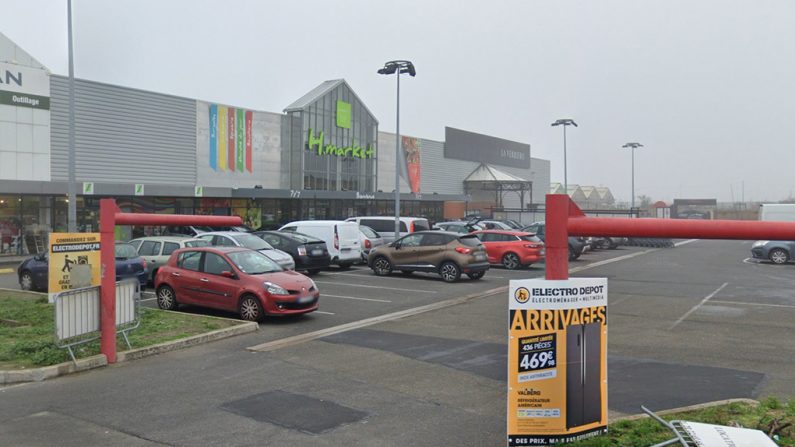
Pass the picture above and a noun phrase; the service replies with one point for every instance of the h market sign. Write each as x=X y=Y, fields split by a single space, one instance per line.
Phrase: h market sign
x=315 y=143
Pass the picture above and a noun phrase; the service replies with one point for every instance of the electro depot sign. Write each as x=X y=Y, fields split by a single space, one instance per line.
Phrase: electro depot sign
x=74 y=261
x=557 y=361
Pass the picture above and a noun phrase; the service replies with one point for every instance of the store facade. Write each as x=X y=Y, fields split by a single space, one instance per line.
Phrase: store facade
x=323 y=157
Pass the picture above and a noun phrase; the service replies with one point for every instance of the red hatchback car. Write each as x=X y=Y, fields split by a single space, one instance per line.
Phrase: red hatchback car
x=512 y=249
x=234 y=279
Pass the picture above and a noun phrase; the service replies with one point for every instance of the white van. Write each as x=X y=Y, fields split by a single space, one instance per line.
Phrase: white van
x=341 y=238
x=385 y=226
x=782 y=212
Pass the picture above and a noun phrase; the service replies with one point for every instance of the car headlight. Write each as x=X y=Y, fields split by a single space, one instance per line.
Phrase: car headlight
x=759 y=243
x=312 y=282
x=275 y=289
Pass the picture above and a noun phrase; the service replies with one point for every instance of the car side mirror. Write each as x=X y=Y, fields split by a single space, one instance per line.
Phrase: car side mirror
x=396 y=245
x=39 y=258
x=228 y=274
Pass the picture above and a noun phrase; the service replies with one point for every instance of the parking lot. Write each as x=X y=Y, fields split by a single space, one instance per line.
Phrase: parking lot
x=687 y=325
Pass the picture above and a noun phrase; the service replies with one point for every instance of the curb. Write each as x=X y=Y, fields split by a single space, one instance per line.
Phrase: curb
x=695 y=407
x=27 y=292
x=48 y=372
x=98 y=361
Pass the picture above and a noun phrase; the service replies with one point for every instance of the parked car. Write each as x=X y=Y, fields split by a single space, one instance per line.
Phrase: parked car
x=234 y=279
x=33 y=273
x=369 y=239
x=157 y=249
x=240 y=239
x=512 y=249
x=490 y=224
x=777 y=252
x=308 y=252
x=341 y=238
x=608 y=243
x=460 y=227
x=385 y=226
x=577 y=245
x=445 y=253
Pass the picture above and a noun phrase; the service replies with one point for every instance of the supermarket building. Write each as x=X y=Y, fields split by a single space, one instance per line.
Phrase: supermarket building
x=323 y=157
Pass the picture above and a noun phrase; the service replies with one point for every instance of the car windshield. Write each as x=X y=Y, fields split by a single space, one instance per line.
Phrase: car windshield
x=469 y=240
x=251 y=241
x=369 y=232
x=530 y=238
x=253 y=262
x=125 y=251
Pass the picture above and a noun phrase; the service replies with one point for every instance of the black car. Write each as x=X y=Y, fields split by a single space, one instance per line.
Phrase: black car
x=576 y=244
x=309 y=253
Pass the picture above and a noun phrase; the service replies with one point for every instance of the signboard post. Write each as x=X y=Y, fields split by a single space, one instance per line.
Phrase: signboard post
x=73 y=262
x=557 y=360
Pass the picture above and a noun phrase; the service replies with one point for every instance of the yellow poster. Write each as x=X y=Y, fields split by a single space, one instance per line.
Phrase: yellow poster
x=74 y=261
x=557 y=361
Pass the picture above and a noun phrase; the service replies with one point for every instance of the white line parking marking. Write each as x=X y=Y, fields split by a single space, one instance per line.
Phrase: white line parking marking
x=679 y=244
x=787 y=306
x=400 y=289
x=325 y=295
x=147 y=299
x=707 y=298
x=324 y=313
x=611 y=260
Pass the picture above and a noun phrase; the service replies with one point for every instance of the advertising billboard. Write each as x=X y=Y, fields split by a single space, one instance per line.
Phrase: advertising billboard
x=411 y=154
x=557 y=360
x=470 y=146
x=74 y=261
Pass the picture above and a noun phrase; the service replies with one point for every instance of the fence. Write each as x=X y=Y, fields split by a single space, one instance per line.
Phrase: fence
x=77 y=314
x=537 y=214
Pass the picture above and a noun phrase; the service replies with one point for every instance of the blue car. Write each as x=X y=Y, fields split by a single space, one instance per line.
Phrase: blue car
x=33 y=272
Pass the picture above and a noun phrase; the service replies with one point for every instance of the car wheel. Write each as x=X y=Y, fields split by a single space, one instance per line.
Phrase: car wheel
x=449 y=271
x=778 y=256
x=407 y=272
x=26 y=281
x=612 y=245
x=250 y=309
x=313 y=272
x=476 y=275
x=166 y=298
x=511 y=261
x=382 y=266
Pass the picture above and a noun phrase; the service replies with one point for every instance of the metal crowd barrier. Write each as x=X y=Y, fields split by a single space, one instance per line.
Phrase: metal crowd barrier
x=77 y=314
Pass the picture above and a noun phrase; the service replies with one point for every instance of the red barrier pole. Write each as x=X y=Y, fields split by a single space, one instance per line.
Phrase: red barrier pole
x=557 y=237
x=107 y=288
x=681 y=228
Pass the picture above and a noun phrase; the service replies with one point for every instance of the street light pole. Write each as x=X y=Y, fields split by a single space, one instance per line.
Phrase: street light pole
x=72 y=187
x=397 y=67
x=633 y=146
x=565 y=122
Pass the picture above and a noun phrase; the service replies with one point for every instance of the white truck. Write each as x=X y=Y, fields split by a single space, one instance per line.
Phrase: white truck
x=782 y=212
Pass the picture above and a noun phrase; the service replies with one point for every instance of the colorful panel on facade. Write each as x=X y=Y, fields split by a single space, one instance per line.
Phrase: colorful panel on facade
x=231 y=141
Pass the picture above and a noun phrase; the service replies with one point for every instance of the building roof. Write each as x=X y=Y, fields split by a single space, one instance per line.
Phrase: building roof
x=588 y=191
x=318 y=92
x=488 y=173
x=14 y=54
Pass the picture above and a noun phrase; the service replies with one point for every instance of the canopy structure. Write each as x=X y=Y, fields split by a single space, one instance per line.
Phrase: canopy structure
x=488 y=178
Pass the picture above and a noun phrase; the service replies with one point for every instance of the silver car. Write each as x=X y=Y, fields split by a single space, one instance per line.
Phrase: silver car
x=157 y=249
x=370 y=239
x=248 y=240
x=778 y=252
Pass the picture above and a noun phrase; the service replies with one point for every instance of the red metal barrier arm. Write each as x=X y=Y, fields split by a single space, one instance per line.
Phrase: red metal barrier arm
x=681 y=228
x=109 y=217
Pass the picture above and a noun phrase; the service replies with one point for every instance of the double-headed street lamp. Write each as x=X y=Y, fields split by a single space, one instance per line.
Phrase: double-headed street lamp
x=633 y=146
x=397 y=68
x=565 y=122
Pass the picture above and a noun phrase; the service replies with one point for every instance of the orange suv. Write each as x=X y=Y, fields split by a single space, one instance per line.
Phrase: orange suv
x=448 y=254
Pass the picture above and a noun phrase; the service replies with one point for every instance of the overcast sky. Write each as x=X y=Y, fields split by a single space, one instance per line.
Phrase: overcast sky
x=708 y=87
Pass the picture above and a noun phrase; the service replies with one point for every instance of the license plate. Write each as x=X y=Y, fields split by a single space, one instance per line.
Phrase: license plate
x=317 y=252
x=346 y=249
x=305 y=299
x=480 y=256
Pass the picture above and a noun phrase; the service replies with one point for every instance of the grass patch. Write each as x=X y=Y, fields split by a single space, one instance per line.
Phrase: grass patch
x=27 y=331
x=770 y=414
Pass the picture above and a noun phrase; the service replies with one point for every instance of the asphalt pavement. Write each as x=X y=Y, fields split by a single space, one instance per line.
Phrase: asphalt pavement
x=686 y=325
